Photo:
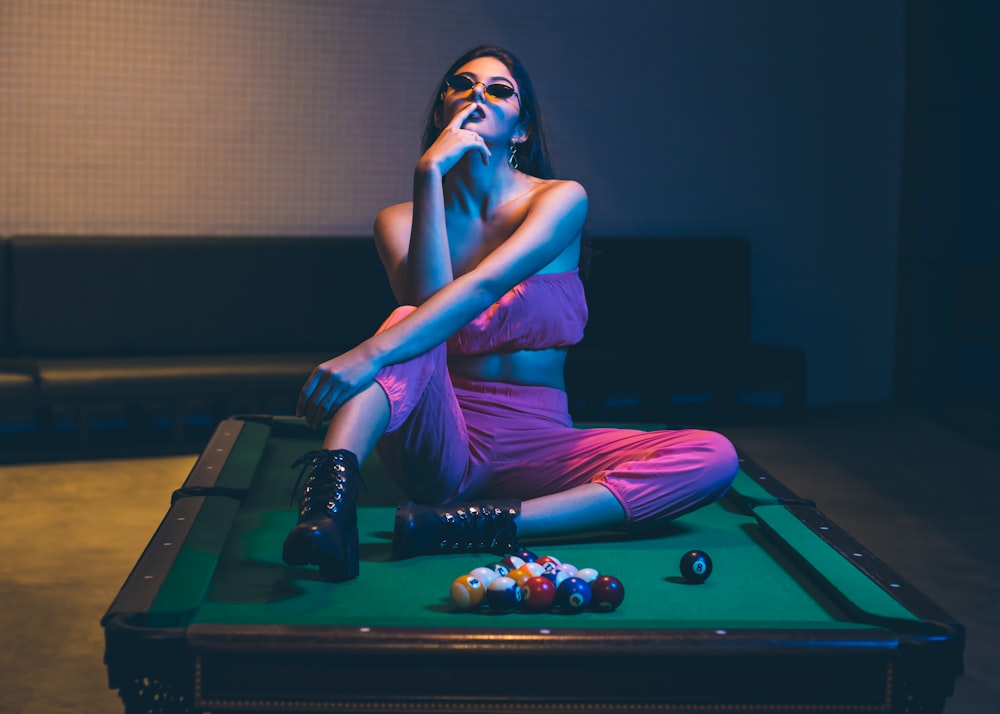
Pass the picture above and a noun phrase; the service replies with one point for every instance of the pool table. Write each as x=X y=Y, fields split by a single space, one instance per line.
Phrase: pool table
x=796 y=616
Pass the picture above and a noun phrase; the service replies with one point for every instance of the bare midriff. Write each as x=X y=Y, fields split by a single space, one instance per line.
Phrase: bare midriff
x=543 y=368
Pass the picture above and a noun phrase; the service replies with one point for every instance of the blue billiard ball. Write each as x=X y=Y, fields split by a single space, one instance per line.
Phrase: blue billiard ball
x=573 y=595
x=556 y=576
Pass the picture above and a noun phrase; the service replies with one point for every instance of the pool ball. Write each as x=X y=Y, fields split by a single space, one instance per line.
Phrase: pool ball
x=573 y=595
x=503 y=594
x=526 y=555
x=521 y=575
x=535 y=568
x=499 y=568
x=512 y=562
x=537 y=594
x=696 y=566
x=547 y=561
x=607 y=593
x=567 y=568
x=467 y=592
x=547 y=566
x=587 y=574
x=485 y=575
x=556 y=576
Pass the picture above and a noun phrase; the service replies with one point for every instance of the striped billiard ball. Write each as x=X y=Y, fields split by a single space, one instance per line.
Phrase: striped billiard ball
x=503 y=594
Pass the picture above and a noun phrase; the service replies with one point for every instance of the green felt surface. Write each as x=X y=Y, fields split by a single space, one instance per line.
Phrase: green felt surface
x=750 y=588
x=840 y=573
x=753 y=586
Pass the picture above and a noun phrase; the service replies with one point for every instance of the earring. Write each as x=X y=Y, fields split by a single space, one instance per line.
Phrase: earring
x=512 y=158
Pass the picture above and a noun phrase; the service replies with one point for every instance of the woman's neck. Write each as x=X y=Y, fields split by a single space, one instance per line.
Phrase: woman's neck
x=475 y=188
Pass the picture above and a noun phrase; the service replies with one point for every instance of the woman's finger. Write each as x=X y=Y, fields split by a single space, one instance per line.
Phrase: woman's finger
x=460 y=116
x=484 y=150
x=304 y=393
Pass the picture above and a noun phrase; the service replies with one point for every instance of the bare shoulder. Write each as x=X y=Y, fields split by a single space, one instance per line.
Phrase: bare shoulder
x=394 y=220
x=562 y=202
x=561 y=190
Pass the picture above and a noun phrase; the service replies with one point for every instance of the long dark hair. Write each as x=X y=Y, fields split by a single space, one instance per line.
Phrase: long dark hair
x=533 y=154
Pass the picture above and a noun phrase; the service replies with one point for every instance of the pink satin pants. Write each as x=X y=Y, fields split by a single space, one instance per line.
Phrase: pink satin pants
x=451 y=439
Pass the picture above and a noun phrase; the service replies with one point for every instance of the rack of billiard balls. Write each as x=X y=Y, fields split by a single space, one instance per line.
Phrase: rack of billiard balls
x=526 y=583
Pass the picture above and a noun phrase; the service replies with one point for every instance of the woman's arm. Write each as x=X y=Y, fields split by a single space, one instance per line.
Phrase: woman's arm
x=553 y=222
x=413 y=244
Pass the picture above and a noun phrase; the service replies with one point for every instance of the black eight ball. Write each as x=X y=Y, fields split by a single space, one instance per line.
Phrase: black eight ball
x=696 y=566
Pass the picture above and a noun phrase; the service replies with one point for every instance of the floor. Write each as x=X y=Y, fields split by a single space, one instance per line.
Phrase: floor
x=919 y=490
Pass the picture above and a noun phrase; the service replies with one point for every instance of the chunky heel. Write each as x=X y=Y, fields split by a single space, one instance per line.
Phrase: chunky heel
x=327 y=531
x=344 y=565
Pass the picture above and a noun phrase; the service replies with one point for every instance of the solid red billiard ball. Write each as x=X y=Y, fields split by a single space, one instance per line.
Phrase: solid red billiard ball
x=503 y=594
x=573 y=595
x=537 y=594
x=467 y=592
x=696 y=566
x=607 y=593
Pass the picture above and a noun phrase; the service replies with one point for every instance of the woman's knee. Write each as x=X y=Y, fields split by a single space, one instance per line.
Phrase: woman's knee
x=722 y=451
x=720 y=461
x=395 y=316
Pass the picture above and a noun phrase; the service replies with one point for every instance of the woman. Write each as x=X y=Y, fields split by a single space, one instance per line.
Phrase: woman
x=462 y=390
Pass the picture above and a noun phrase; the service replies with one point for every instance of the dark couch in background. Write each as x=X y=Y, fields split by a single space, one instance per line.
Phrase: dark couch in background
x=669 y=338
x=145 y=342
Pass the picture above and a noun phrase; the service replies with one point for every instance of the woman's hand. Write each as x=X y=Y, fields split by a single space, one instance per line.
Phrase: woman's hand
x=453 y=143
x=333 y=383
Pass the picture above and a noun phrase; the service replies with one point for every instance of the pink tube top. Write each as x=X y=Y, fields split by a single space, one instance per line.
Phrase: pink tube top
x=545 y=310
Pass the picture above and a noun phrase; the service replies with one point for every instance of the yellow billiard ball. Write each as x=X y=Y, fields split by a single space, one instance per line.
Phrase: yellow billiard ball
x=467 y=592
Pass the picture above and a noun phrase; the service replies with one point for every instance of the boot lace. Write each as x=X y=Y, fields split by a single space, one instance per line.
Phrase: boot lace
x=327 y=480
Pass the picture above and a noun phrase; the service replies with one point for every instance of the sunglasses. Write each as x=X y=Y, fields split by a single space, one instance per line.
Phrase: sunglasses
x=463 y=83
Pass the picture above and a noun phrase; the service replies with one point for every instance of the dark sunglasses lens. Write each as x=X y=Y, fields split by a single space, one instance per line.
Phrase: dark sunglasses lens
x=461 y=83
x=458 y=82
x=500 y=91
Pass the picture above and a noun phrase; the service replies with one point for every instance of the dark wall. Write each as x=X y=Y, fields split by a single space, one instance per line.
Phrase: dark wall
x=948 y=339
x=775 y=120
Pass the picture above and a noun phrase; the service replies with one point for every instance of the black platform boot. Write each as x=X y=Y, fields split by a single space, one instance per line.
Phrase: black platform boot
x=327 y=531
x=481 y=526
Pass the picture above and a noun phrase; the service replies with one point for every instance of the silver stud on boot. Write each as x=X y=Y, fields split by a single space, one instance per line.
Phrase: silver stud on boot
x=482 y=526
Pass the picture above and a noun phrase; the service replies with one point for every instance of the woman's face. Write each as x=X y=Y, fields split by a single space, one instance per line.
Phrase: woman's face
x=496 y=119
